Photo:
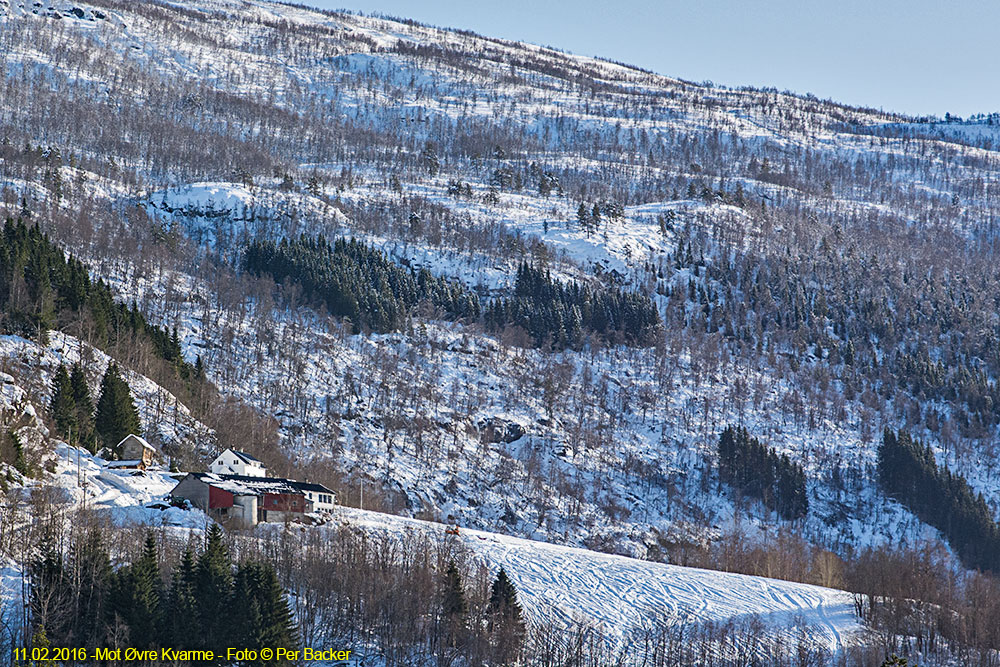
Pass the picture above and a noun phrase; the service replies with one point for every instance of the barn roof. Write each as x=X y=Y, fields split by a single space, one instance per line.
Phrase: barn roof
x=245 y=485
x=139 y=439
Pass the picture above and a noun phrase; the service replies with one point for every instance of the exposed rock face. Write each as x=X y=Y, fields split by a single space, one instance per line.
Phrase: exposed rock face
x=497 y=429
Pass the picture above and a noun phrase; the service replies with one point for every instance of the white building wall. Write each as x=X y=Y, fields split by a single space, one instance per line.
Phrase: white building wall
x=321 y=501
x=249 y=506
x=228 y=463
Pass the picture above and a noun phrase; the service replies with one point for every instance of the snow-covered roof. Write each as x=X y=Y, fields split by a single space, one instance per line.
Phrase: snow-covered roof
x=246 y=485
x=243 y=456
x=139 y=439
x=125 y=463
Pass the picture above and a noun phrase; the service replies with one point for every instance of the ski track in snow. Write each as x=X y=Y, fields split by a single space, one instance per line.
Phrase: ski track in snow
x=617 y=593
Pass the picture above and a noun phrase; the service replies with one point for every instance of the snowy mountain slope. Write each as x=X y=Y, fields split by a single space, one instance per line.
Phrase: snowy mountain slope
x=642 y=493
x=229 y=121
x=167 y=423
x=568 y=587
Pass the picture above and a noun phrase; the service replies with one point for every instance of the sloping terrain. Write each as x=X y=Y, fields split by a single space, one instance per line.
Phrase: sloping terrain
x=566 y=587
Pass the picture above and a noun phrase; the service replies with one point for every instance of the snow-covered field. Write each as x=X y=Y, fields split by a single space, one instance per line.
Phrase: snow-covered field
x=570 y=586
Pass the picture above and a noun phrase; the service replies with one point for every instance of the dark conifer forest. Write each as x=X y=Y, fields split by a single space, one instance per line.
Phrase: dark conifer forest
x=41 y=288
x=908 y=472
x=756 y=470
x=358 y=283
x=558 y=315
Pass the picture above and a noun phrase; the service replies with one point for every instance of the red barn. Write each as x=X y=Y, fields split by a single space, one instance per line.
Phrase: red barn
x=249 y=500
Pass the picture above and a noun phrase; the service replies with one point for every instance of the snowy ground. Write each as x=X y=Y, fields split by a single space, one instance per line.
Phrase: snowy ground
x=616 y=593
x=131 y=496
x=565 y=586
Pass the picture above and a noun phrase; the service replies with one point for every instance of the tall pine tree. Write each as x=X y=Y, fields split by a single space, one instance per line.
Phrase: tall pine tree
x=453 y=606
x=504 y=620
x=90 y=567
x=214 y=592
x=182 y=629
x=137 y=594
x=116 y=414
x=63 y=406
x=84 y=409
x=260 y=609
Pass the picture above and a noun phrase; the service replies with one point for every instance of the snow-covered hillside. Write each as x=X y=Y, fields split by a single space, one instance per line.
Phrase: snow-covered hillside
x=418 y=88
x=571 y=587
x=562 y=587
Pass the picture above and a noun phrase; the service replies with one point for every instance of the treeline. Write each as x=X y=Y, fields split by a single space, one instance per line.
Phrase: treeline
x=355 y=281
x=908 y=472
x=759 y=471
x=562 y=315
x=205 y=603
x=360 y=283
x=42 y=289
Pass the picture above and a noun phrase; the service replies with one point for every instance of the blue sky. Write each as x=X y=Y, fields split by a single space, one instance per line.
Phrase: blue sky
x=914 y=56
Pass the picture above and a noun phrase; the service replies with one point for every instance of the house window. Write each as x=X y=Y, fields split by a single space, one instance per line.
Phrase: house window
x=295 y=503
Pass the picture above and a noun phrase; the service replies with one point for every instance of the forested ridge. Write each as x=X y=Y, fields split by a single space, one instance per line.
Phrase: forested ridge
x=42 y=289
x=558 y=315
x=205 y=602
x=361 y=284
x=758 y=471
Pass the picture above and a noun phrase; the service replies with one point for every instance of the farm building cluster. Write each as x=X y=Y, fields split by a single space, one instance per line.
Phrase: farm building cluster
x=236 y=488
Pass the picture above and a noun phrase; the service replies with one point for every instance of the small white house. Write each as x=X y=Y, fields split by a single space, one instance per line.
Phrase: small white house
x=321 y=497
x=235 y=462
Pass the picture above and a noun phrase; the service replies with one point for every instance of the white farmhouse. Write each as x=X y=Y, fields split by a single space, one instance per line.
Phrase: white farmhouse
x=322 y=498
x=235 y=462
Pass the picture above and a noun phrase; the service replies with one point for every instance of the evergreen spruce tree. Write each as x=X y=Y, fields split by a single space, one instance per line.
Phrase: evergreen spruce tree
x=260 y=610
x=504 y=619
x=91 y=566
x=182 y=629
x=116 y=416
x=247 y=619
x=20 y=461
x=278 y=626
x=84 y=409
x=503 y=606
x=63 y=406
x=453 y=606
x=136 y=597
x=214 y=591
x=583 y=217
